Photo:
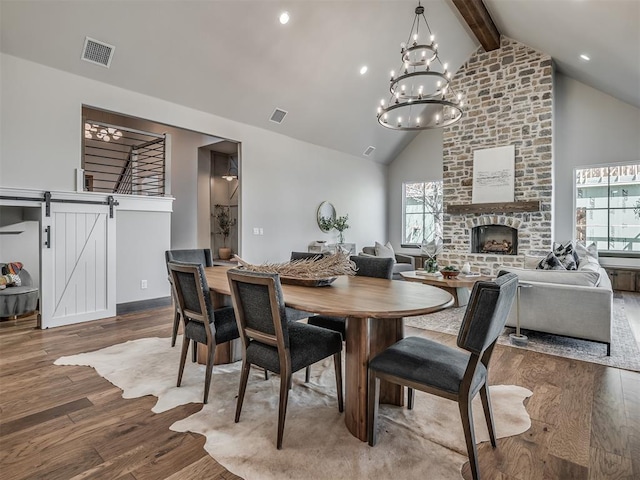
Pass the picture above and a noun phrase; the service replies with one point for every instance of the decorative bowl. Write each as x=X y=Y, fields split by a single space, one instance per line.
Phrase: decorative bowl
x=449 y=273
x=307 y=282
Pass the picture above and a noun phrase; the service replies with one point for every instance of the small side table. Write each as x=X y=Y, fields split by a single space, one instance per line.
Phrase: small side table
x=517 y=338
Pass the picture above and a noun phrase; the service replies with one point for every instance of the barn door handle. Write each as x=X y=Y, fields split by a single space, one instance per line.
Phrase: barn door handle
x=47 y=242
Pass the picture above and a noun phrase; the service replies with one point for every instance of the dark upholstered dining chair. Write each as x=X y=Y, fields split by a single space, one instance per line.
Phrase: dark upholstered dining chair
x=273 y=342
x=293 y=315
x=366 y=267
x=446 y=371
x=376 y=267
x=202 y=324
x=198 y=255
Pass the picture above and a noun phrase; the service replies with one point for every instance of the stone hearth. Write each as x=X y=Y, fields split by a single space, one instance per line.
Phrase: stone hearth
x=509 y=101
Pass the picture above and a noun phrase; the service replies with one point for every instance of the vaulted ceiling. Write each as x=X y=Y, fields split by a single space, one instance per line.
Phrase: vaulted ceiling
x=234 y=59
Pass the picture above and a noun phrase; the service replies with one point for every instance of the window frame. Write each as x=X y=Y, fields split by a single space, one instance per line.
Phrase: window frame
x=403 y=212
x=602 y=253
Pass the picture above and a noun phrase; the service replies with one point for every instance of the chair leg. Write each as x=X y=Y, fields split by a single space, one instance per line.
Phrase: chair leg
x=266 y=374
x=194 y=352
x=488 y=414
x=373 y=400
x=411 y=393
x=285 y=382
x=337 y=364
x=307 y=374
x=469 y=435
x=244 y=376
x=207 y=376
x=176 y=325
x=183 y=358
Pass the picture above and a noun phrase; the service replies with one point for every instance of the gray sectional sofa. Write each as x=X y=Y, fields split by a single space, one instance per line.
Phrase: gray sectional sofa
x=574 y=303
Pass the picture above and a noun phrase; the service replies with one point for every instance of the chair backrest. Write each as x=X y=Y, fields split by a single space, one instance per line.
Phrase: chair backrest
x=377 y=267
x=25 y=278
x=369 y=250
x=305 y=255
x=191 y=292
x=486 y=313
x=259 y=307
x=196 y=255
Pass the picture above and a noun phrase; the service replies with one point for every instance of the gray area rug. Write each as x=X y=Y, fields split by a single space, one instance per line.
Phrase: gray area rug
x=624 y=349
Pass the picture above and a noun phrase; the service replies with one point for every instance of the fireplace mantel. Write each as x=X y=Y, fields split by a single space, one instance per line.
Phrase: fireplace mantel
x=502 y=207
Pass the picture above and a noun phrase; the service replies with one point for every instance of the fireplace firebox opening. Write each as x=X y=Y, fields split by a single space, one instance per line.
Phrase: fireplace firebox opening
x=494 y=239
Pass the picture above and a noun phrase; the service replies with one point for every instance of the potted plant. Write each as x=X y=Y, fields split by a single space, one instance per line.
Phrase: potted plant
x=224 y=223
x=340 y=224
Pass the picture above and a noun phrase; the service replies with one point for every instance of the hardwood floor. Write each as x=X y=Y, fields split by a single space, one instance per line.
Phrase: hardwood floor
x=70 y=423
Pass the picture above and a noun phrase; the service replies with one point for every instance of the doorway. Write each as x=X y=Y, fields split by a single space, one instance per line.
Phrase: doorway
x=224 y=185
x=20 y=245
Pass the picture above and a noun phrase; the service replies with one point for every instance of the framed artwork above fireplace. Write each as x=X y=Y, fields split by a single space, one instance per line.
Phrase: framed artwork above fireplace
x=493 y=175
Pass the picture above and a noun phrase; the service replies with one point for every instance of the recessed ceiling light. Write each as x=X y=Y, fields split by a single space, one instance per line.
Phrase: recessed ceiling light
x=284 y=18
x=584 y=57
x=363 y=70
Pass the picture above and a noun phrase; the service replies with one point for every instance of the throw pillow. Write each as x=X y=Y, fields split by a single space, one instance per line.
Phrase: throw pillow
x=385 y=251
x=550 y=262
x=6 y=280
x=12 y=268
x=589 y=254
x=567 y=255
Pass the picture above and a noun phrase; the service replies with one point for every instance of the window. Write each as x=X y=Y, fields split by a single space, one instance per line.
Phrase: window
x=608 y=207
x=421 y=212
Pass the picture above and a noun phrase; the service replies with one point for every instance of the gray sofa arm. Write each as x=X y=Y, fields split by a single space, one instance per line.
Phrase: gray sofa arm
x=400 y=258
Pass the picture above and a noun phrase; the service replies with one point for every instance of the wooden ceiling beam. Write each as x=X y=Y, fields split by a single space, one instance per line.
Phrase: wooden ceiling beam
x=479 y=20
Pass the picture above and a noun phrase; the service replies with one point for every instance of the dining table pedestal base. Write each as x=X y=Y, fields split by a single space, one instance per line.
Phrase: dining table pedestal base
x=364 y=340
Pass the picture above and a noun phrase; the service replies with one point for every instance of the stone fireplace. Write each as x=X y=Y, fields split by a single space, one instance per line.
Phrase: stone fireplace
x=509 y=98
x=494 y=239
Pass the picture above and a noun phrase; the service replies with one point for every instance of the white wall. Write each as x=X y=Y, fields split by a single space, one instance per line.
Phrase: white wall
x=591 y=128
x=141 y=239
x=283 y=180
x=420 y=161
x=203 y=191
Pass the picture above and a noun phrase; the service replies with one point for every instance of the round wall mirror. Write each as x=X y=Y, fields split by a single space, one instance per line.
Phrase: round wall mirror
x=325 y=216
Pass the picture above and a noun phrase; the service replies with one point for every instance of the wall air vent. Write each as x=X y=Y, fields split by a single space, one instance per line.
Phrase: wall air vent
x=278 y=115
x=369 y=151
x=97 y=52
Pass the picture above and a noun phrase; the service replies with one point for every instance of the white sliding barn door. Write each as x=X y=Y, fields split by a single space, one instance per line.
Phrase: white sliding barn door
x=78 y=264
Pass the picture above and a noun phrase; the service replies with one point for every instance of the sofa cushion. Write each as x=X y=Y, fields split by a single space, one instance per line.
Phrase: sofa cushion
x=385 y=251
x=589 y=267
x=550 y=262
x=587 y=254
x=565 y=277
x=532 y=261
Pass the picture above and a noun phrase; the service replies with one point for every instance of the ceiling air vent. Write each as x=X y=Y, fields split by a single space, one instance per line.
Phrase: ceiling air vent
x=369 y=151
x=97 y=52
x=278 y=115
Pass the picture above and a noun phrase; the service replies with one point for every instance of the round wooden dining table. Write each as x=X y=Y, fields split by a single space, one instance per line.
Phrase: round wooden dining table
x=374 y=309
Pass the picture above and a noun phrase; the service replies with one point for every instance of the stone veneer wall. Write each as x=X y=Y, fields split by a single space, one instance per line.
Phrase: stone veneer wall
x=509 y=101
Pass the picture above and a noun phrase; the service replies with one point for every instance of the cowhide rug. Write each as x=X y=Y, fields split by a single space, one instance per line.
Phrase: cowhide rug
x=426 y=442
